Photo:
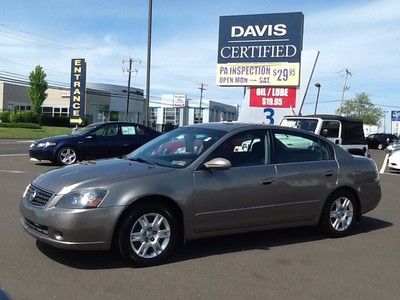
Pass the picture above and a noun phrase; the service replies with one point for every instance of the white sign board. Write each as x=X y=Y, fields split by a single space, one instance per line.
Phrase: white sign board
x=274 y=115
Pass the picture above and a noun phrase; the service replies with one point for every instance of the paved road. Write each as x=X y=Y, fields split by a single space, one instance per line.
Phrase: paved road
x=289 y=264
x=14 y=147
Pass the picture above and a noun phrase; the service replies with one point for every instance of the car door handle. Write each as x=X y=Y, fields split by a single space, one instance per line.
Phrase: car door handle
x=328 y=173
x=268 y=181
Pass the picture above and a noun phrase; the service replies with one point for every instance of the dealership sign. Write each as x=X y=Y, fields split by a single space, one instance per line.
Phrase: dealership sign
x=260 y=50
x=395 y=115
x=273 y=97
x=179 y=101
x=78 y=91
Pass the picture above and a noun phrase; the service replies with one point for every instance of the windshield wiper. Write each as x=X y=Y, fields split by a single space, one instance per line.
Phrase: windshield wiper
x=142 y=160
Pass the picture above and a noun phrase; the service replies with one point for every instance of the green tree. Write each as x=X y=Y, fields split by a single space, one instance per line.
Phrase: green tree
x=362 y=108
x=37 y=88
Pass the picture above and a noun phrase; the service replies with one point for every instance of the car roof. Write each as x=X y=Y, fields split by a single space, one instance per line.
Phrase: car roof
x=328 y=117
x=113 y=122
x=229 y=126
x=233 y=126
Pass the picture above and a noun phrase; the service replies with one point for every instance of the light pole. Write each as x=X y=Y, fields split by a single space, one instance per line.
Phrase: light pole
x=149 y=27
x=316 y=103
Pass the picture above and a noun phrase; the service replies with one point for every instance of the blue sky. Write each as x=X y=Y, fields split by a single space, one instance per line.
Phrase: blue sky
x=363 y=36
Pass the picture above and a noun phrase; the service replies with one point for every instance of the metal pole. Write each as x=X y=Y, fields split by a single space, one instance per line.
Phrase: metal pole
x=345 y=88
x=316 y=103
x=129 y=89
x=149 y=27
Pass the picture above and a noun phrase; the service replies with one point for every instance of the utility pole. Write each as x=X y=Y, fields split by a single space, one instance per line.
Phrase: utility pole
x=345 y=88
x=149 y=29
x=129 y=70
x=129 y=89
x=201 y=88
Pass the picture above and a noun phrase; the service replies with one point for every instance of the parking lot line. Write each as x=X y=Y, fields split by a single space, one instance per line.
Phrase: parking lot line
x=385 y=161
x=12 y=171
x=10 y=155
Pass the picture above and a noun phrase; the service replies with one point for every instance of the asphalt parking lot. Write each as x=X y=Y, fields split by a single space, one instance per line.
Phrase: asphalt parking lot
x=294 y=263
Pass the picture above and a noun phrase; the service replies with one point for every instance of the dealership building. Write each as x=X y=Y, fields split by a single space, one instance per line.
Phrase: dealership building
x=108 y=102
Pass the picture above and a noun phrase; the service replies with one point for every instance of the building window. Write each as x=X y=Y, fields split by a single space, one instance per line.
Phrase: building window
x=153 y=118
x=171 y=116
x=55 y=111
x=47 y=111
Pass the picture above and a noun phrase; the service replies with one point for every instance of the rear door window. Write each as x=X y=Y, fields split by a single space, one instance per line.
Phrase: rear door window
x=292 y=147
x=330 y=129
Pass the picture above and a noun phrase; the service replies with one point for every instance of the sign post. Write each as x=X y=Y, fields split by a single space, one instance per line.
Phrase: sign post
x=78 y=91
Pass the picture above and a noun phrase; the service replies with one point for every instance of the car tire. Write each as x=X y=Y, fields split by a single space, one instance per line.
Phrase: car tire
x=148 y=235
x=339 y=214
x=67 y=156
x=380 y=146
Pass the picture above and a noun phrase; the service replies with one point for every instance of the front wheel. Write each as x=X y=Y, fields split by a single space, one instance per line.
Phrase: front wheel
x=148 y=235
x=339 y=213
x=67 y=156
x=380 y=146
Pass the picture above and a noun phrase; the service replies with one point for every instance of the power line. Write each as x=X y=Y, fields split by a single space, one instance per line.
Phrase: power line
x=24 y=35
x=60 y=72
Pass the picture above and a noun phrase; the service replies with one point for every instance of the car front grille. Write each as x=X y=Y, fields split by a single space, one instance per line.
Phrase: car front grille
x=37 y=196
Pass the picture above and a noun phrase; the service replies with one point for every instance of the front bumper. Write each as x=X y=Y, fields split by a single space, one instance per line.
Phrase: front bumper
x=393 y=166
x=42 y=153
x=75 y=229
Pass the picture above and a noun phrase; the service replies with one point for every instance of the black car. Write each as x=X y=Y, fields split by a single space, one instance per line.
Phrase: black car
x=380 y=140
x=99 y=140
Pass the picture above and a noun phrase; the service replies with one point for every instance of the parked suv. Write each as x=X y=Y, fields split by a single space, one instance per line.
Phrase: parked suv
x=381 y=140
x=345 y=132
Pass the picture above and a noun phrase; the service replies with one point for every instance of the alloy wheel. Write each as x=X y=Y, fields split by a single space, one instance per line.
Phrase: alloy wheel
x=68 y=156
x=341 y=214
x=150 y=235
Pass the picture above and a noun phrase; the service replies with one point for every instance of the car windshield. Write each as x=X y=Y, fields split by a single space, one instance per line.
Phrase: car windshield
x=177 y=148
x=304 y=124
x=82 y=130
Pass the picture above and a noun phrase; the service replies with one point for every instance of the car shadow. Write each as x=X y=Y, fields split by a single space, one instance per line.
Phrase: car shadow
x=262 y=240
x=46 y=164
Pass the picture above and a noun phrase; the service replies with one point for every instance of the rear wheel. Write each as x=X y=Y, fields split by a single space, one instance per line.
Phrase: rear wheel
x=148 y=235
x=339 y=213
x=67 y=156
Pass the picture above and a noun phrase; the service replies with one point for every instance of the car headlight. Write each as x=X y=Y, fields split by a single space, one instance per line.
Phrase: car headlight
x=45 y=145
x=89 y=198
x=26 y=190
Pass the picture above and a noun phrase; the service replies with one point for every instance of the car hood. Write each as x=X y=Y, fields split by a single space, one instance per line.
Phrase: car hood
x=55 y=138
x=94 y=174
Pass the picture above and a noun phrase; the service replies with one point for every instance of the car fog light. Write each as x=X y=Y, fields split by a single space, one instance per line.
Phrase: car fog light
x=58 y=235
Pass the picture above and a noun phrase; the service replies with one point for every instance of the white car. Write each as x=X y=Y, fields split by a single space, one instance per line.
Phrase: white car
x=394 y=161
x=393 y=147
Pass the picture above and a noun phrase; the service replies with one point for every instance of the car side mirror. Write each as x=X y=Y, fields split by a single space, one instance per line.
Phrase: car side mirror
x=218 y=163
